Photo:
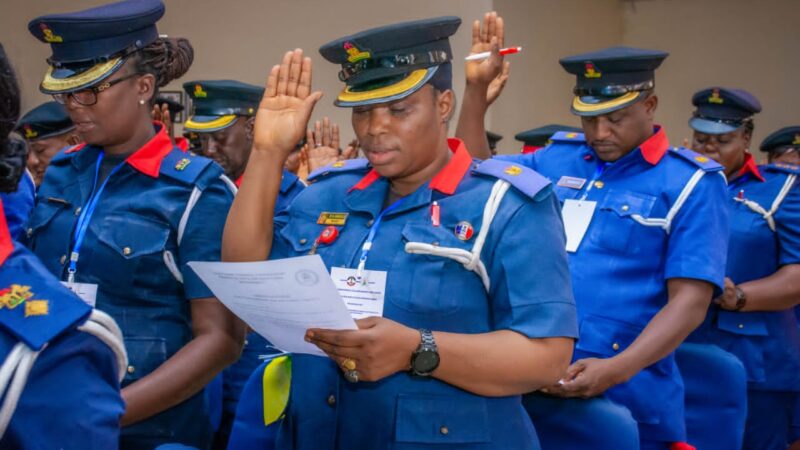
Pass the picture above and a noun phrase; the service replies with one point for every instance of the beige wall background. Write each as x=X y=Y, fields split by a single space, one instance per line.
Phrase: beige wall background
x=752 y=44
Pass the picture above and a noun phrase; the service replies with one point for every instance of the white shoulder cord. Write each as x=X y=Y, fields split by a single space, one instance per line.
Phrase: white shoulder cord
x=19 y=362
x=666 y=223
x=169 y=258
x=470 y=259
x=103 y=327
x=767 y=215
x=13 y=376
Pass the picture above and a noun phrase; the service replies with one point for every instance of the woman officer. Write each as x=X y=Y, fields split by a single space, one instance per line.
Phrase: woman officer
x=453 y=239
x=119 y=218
x=754 y=317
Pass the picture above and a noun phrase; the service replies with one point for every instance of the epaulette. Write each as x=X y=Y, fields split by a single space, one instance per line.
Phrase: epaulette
x=703 y=162
x=289 y=181
x=526 y=180
x=183 y=167
x=782 y=167
x=348 y=165
x=36 y=310
x=568 y=136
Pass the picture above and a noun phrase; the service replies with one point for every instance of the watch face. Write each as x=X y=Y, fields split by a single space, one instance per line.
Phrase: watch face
x=426 y=362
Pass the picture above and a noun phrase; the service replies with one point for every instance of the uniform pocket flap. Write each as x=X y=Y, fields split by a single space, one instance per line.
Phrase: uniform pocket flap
x=133 y=236
x=439 y=419
x=746 y=324
x=604 y=336
x=626 y=203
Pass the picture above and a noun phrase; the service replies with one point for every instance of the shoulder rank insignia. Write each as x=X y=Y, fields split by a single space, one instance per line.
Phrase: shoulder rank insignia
x=15 y=295
x=568 y=136
x=348 y=165
x=37 y=308
x=526 y=180
x=696 y=159
x=181 y=165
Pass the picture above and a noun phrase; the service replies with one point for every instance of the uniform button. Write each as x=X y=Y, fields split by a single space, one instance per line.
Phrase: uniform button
x=63 y=259
x=741 y=325
x=246 y=342
x=126 y=251
x=331 y=400
x=625 y=207
x=599 y=184
x=78 y=211
x=615 y=346
x=444 y=430
x=131 y=369
x=303 y=241
x=370 y=222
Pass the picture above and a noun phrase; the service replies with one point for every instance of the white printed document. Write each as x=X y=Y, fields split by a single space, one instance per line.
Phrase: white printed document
x=279 y=299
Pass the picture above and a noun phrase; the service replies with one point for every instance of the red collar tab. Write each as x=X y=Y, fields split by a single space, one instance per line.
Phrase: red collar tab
x=750 y=167
x=446 y=181
x=75 y=148
x=530 y=149
x=6 y=245
x=655 y=147
x=238 y=181
x=148 y=158
x=182 y=143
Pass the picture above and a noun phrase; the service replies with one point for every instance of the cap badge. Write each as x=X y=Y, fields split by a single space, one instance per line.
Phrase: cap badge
x=464 y=231
x=13 y=296
x=591 y=71
x=512 y=170
x=49 y=36
x=571 y=135
x=354 y=54
x=29 y=133
x=701 y=159
x=338 y=164
x=199 y=92
x=796 y=139
x=715 y=98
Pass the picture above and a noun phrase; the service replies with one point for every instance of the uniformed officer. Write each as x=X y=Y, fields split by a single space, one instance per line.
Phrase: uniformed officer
x=166 y=110
x=754 y=317
x=783 y=146
x=539 y=138
x=223 y=114
x=63 y=361
x=18 y=202
x=647 y=229
x=119 y=218
x=466 y=326
x=46 y=129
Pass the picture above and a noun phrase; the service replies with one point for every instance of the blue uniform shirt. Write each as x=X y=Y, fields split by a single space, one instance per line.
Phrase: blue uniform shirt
x=765 y=235
x=71 y=395
x=17 y=206
x=160 y=210
x=620 y=270
x=426 y=291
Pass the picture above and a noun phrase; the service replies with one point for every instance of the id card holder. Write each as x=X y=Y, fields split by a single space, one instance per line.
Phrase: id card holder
x=577 y=216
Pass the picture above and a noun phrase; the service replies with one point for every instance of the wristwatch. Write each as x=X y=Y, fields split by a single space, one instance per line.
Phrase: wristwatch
x=425 y=358
x=741 y=299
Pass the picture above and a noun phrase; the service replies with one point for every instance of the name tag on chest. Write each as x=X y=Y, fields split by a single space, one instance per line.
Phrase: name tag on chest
x=577 y=216
x=86 y=291
x=363 y=297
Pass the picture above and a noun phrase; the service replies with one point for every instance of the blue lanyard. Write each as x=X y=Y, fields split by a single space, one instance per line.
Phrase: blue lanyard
x=362 y=262
x=601 y=167
x=86 y=217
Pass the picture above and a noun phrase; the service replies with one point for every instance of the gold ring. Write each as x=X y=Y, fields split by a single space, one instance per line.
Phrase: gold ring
x=349 y=364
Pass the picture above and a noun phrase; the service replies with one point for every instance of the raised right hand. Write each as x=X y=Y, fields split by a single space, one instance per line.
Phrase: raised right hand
x=286 y=106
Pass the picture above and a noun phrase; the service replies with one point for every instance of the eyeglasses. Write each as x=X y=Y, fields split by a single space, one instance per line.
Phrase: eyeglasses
x=88 y=96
